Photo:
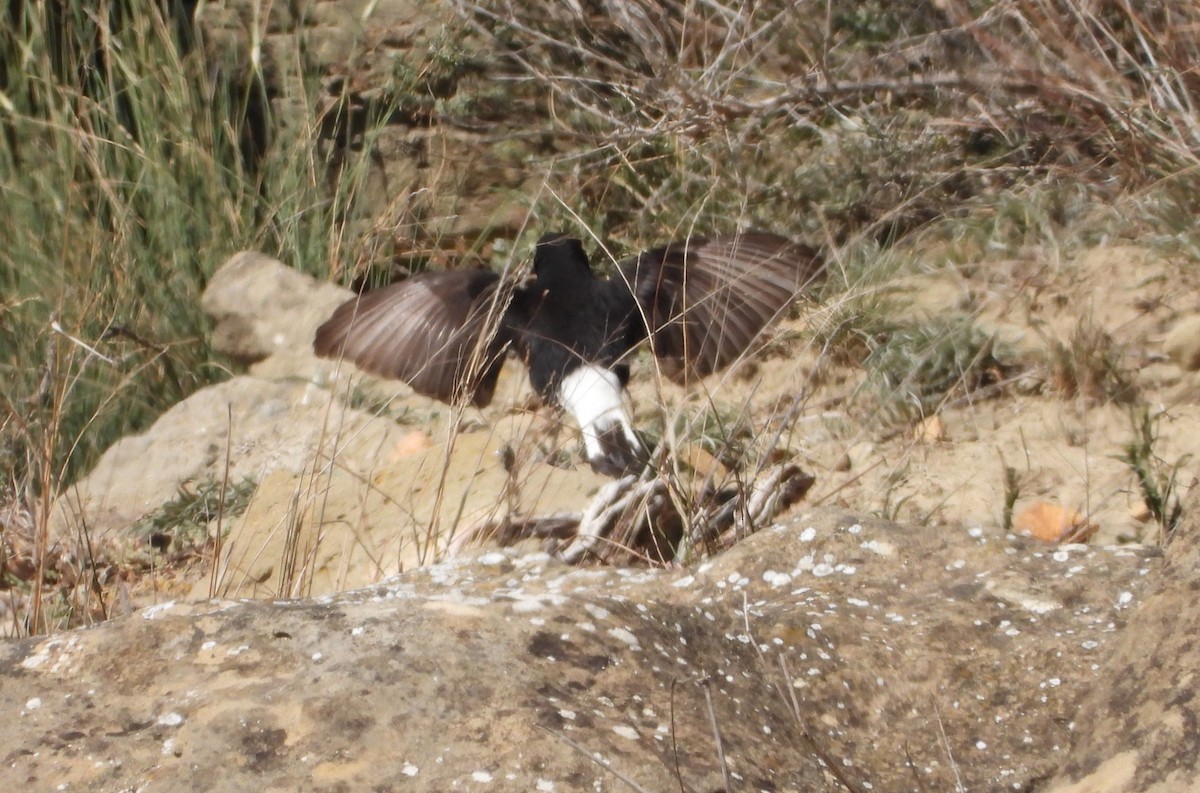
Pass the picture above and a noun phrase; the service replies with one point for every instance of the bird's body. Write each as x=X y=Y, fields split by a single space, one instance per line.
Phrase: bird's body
x=700 y=303
x=572 y=316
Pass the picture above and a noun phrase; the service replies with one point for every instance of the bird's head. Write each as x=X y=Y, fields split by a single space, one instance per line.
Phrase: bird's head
x=559 y=258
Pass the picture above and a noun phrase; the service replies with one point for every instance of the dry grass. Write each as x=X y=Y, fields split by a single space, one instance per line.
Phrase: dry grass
x=983 y=127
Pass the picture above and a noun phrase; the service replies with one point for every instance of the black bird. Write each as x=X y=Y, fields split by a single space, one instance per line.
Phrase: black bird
x=700 y=303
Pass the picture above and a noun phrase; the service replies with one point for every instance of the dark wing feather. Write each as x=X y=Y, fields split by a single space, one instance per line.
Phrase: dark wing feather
x=436 y=331
x=706 y=300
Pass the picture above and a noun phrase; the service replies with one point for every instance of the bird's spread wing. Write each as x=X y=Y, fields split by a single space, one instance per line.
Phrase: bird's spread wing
x=705 y=300
x=443 y=333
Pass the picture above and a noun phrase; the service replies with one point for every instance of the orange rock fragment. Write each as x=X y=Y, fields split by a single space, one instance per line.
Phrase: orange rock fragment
x=930 y=430
x=410 y=444
x=1051 y=523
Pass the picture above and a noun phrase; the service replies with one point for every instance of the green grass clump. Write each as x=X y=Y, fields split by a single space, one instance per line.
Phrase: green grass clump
x=120 y=192
x=183 y=521
x=915 y=369
x=1158 y=481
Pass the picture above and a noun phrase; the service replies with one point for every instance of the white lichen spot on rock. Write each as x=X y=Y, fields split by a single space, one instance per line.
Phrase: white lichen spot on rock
x=481 y=776
x=808 y=535
x=879 y=548
x=171 y=719
x=1037 y=606
x=626 y=636
x=544 y=786
x=625 y=731
x=151 y=612
x=596 y=611
x=38 y=658
x=774 y=578
x=524 y=605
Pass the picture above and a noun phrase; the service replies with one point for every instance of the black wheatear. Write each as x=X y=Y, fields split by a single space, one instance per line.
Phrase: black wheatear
x=700 y=303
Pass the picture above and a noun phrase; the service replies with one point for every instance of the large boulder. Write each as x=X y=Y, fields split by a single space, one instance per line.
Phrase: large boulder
x=831 y=653
x=260 y=307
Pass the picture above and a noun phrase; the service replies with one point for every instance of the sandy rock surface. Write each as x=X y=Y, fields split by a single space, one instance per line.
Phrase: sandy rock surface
x=908 y=657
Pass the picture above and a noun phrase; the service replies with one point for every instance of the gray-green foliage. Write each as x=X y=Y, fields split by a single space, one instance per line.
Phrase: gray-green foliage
x=1157 y=480
x=913 y=369
x=185 y=519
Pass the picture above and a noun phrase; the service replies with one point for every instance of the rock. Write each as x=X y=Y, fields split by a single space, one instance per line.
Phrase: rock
x=1137 y=727
x=931 y=429
x=260 y=307
x=332 y=527
x=354 y=478
x=1049 y=522
x=261 y=425
x=829 y=654
x=1182 y=343
x=1140 y=511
